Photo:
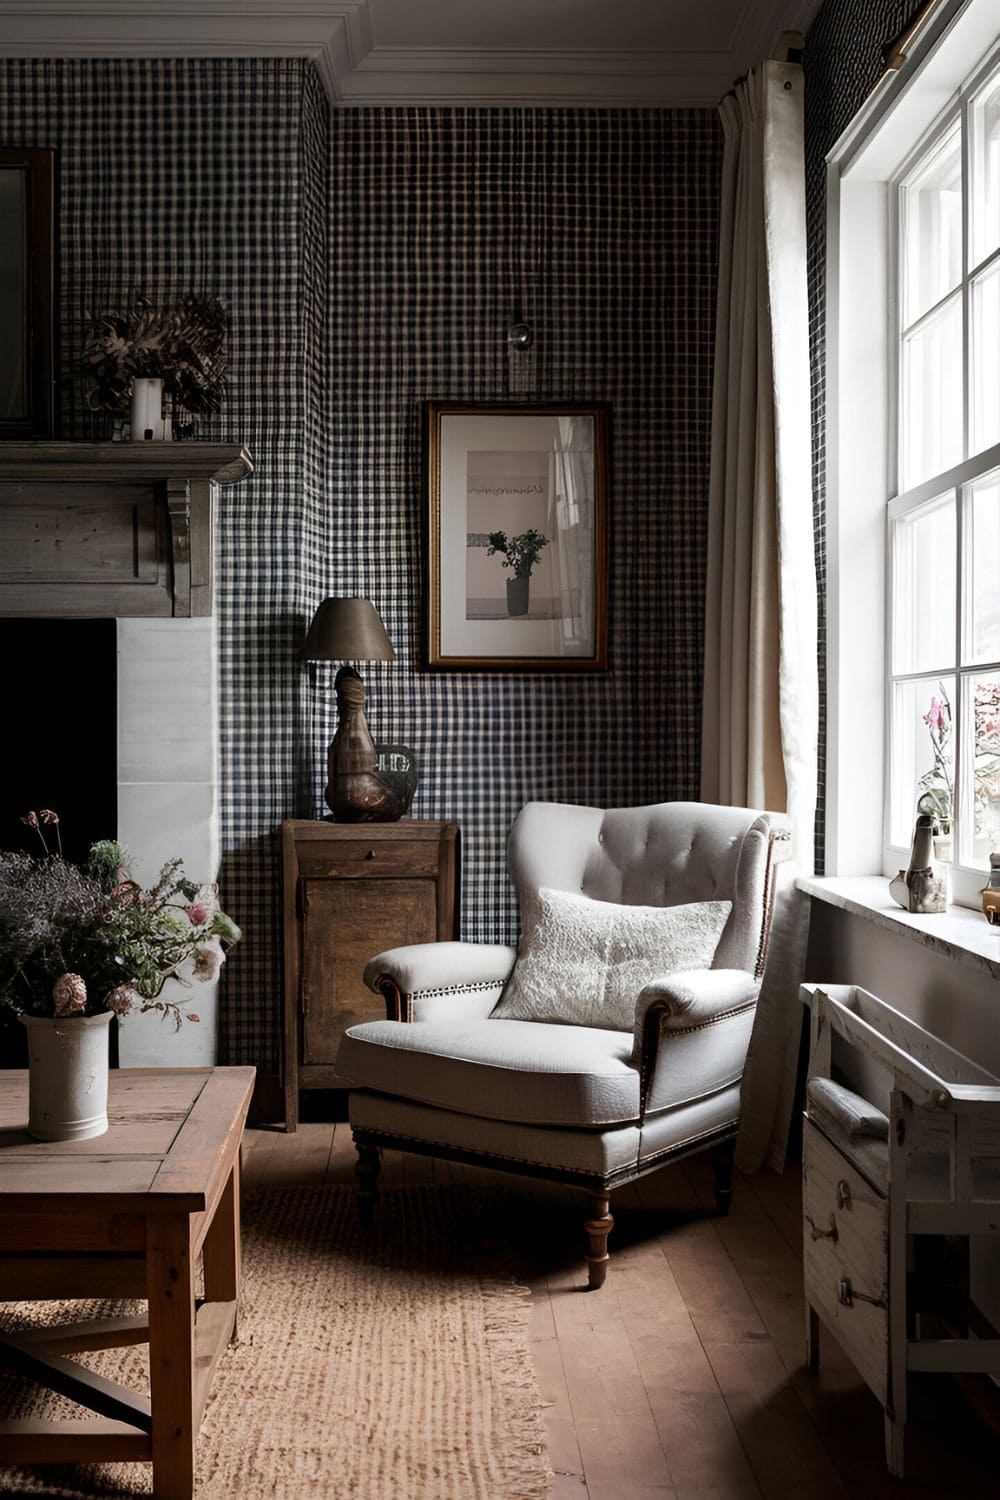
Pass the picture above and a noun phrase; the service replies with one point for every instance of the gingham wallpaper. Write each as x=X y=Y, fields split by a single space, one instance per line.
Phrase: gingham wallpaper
x=209 y=176
x=369 y=261
x=843 y=62
x=599 y=226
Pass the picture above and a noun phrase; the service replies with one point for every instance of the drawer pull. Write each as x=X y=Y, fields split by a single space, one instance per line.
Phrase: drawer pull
x=823 y=1234
x=370 y=854
x=847 y=1296
x=843 y=1194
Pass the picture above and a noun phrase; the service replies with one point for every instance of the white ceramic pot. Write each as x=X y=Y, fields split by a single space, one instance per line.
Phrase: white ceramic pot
x=67 y=1076
x=148 y=424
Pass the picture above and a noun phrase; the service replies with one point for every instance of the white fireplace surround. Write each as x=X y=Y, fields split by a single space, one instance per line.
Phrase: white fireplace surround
x=168 y=800
x=125 y=530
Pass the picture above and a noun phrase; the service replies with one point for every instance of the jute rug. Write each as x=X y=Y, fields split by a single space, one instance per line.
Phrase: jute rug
x=389 y=1363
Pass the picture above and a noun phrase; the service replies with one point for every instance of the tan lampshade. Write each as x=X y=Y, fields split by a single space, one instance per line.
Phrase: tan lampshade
x=347 y=630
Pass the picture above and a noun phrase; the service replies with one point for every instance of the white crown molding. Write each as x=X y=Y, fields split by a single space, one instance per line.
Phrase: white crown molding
x=337 y=36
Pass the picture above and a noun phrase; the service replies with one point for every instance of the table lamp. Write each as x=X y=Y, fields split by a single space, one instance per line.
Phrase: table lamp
x=350 y=630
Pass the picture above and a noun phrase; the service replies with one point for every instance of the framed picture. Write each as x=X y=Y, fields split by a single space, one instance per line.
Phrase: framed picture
x=517 y=536
x=27 y=264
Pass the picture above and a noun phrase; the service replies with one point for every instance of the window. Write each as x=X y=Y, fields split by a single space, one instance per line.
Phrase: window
x=913 y=457
x=944 y=521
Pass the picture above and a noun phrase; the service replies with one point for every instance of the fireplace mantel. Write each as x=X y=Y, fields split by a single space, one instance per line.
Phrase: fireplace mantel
x=110 y=529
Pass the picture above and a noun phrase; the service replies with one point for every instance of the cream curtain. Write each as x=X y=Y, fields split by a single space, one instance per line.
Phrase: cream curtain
x=759 y=734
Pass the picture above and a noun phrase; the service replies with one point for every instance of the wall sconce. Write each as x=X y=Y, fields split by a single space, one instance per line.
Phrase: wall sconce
x=351 y=630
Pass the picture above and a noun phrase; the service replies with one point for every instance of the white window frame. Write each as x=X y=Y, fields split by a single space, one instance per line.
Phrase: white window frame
x=862 y=407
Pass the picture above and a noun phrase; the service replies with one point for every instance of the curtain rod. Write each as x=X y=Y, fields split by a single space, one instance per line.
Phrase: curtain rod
x=896 y=52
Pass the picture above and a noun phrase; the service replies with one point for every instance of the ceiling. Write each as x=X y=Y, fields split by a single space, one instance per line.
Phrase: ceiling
x=599 y=52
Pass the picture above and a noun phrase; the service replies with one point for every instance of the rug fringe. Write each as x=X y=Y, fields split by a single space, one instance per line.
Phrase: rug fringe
x=506 y=1320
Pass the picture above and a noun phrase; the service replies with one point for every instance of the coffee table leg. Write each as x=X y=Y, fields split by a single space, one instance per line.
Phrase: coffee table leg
x=170 y=1287
x=221 y=1248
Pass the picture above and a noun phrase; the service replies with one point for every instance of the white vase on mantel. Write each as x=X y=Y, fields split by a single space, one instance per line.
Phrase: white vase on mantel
x=148 y=422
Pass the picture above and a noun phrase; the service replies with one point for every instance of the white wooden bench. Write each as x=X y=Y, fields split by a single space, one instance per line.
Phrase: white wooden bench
x=884 y=1183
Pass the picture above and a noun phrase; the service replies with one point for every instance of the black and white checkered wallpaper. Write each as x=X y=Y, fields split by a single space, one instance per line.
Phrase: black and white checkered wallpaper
x=369 y=260
x=599 y=227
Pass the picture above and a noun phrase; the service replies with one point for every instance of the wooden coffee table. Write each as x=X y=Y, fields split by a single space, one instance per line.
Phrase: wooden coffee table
x=125 y=1215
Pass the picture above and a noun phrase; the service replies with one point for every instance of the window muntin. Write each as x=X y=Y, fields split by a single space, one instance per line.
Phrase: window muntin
x=944 y=534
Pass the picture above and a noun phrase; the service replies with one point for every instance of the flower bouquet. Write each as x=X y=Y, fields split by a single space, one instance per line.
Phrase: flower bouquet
x=80 y=945
x=75 y=941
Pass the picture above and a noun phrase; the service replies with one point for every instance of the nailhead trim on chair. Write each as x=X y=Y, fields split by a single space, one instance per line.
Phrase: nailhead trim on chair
x=560 y=1172
x=459 y=989
x=703 y=1025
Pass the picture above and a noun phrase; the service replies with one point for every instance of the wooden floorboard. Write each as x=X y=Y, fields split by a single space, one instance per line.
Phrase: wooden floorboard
x=683 y=1378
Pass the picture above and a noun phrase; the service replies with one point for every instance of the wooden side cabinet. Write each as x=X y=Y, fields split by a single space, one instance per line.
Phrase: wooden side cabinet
x=351 y=890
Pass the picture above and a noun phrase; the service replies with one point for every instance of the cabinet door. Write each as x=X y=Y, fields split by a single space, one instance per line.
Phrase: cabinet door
x=344 y=924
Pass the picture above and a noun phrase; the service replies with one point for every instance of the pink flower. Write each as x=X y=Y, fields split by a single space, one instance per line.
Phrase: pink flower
x=122 y=999
x=30 y=820
x=69 y=995
x=192 y=1017
x=48 y=816
x=934 y=717
x=208 y=959
x=197 y=914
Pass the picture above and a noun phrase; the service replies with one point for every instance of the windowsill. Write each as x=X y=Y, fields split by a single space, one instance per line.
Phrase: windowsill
x=959 y=933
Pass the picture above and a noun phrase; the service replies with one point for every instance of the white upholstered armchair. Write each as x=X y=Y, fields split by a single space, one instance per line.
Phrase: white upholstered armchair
x=618 y=1041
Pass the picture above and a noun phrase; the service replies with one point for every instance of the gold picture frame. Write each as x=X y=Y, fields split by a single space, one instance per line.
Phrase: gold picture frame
x=517 y=536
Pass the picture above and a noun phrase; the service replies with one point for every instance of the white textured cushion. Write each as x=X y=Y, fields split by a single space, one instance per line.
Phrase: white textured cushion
x=502 y=1070
x=585 y=962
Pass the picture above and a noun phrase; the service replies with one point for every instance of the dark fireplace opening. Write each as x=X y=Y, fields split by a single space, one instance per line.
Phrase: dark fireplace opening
x=59 y=745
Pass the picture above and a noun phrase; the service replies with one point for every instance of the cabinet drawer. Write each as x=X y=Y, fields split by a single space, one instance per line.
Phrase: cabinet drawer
x=846 y=1256
x=371 y=859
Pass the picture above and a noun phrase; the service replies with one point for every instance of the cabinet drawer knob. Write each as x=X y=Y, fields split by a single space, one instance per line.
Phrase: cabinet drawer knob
x=843 y=1194
x=370 y=854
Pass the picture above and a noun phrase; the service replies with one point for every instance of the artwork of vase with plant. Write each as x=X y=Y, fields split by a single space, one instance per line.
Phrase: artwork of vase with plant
x=165 y=363
x=520 y=554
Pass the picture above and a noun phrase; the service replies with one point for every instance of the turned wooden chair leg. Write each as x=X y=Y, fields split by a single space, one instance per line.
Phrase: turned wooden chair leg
x=722 y=1161
x=598 y=1226
x=366 y=1170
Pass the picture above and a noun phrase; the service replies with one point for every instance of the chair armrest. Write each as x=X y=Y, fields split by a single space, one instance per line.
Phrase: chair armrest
x=432 y=981
x=684 y=1003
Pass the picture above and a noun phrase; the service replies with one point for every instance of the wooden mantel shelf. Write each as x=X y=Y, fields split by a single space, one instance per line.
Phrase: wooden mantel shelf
x=110 y=529
x=219 y=463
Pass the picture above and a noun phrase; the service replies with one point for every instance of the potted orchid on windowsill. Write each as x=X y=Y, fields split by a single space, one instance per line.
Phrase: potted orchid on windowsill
x=80 y=944
x=936 y=786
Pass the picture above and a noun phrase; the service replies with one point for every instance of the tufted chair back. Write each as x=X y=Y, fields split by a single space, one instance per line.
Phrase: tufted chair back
x=662 y=855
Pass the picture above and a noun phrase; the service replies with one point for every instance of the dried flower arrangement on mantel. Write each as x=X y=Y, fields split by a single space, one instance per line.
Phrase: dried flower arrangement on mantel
x=183 y=344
